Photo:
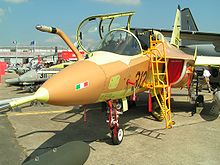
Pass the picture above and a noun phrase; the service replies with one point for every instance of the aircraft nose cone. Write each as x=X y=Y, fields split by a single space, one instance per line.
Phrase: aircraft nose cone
x=42 y=95
x=12 y=81
x=79 y=83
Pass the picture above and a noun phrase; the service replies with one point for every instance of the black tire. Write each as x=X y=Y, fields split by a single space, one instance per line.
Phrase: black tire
x=214 y=72
x=116 y=140
x=31 y=90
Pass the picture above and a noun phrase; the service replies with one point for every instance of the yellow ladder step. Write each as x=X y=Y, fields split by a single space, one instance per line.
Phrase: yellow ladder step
x=160 y=74
x=162 y=62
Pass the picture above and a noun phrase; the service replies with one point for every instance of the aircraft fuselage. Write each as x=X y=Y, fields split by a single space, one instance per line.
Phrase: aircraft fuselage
x=105 y=76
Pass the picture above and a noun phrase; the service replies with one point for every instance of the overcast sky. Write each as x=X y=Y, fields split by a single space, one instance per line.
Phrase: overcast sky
x=19 y=17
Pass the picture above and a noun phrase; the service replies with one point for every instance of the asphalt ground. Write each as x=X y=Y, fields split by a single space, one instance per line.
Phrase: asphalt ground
x=41 y=128
x=11 y=152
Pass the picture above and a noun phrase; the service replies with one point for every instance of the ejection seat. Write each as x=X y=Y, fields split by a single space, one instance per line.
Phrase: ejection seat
x=144 y=38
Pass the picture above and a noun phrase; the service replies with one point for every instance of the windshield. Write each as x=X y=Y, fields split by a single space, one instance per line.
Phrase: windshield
x=120 y=42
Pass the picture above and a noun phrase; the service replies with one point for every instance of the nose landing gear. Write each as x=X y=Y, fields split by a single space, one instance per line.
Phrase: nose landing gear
x=117 y=132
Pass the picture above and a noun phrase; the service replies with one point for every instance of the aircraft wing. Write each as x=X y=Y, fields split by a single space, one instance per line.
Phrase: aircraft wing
x=196 y=36
x=207 y=60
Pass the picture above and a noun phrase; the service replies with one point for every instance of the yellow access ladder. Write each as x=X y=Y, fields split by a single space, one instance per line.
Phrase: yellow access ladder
x=160 y=83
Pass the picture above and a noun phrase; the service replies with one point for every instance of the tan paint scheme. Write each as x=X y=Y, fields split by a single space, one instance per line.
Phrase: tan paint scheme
x=174 y=53
x=138 y=72
x=138 y=64
x=106 y=75
x=98 y=77
x=64 y=92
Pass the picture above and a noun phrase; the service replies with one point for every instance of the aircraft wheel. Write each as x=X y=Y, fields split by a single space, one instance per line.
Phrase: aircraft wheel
x=117 y=139
x=31 y=90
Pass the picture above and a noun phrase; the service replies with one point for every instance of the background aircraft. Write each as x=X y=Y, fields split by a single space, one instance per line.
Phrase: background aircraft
x=34 y=63
x=34 y=78
x=121 y=62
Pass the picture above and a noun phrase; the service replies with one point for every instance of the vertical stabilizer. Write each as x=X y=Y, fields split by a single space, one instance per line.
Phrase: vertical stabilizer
x=187 y=20
x=195 y=54
x=175 y=38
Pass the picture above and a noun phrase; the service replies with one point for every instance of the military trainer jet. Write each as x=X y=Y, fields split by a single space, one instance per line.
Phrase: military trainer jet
x=120 y=62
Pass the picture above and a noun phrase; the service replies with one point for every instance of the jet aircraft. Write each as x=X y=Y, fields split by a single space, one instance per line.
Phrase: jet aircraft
x=120 y=63
x=34 y=78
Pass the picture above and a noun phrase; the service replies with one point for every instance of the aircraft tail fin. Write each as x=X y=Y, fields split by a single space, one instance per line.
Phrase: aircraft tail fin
x=187 y=20
x=175 y=38
x=195 y=53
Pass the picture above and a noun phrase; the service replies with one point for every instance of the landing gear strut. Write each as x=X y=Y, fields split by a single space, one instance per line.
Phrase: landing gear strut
x=117 y=133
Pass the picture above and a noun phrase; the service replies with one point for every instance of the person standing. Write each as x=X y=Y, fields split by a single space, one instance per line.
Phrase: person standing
x=207 y=74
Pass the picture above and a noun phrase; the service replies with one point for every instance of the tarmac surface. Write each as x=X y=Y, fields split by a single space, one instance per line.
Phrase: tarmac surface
x=40 y=128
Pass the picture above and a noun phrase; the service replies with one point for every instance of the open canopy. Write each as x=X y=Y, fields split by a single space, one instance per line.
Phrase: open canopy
x=93 y=29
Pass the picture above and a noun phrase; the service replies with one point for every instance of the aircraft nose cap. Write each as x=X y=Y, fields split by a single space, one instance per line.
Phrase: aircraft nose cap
x=42 y=94
x=12 y=81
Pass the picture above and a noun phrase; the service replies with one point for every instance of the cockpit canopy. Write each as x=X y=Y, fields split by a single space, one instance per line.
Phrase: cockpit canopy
x=93 y=29
x=121 y=42
x=112 y=33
